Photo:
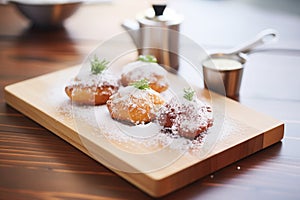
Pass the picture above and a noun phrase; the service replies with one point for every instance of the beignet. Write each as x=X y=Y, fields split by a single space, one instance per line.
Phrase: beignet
x=143 y=69
x=134 y=105
x=93 y=86
x=187 y=117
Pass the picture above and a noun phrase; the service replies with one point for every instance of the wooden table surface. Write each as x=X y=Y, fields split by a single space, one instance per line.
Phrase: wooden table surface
x=36 y=164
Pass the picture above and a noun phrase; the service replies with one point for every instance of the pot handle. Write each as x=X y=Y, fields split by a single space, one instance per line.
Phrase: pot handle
x=132 y=27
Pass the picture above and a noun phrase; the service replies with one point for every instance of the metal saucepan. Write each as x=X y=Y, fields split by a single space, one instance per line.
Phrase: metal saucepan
x=222 y=72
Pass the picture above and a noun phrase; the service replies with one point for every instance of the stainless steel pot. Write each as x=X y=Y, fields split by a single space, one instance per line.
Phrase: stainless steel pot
x=156 y=32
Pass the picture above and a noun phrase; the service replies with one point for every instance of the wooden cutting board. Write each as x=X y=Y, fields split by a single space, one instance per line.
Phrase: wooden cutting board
x=155 y=163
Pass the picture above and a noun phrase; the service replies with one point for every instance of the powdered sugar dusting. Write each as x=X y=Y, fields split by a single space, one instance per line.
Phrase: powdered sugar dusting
x=139 y=139
x=135 y=139
x=186 y=118
x=86 y=79
x=138 y=70
x=148 y=68
x=129 y=100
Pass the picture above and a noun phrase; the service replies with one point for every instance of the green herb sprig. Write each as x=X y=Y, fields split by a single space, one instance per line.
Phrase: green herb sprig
x=189 y=94
x=147 y=58
x=142 y=84
x=98 y=66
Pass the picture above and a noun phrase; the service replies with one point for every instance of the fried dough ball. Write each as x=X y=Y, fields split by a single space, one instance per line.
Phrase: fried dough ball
x=185 y=118
x=133 y=105
x=92 y=89
x=153 y=72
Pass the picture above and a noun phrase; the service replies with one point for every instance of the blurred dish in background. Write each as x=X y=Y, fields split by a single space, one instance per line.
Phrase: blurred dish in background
x=47 y=13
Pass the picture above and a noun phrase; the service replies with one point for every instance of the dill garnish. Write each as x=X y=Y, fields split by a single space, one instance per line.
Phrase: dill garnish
x=142 y=84
x=98 y=66
x=147 y=58
x=188 y=94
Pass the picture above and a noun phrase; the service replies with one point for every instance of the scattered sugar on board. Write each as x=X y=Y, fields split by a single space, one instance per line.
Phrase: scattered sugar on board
x=106 y=127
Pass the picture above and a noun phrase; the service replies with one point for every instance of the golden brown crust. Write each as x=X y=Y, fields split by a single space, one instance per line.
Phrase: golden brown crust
x=135 y=110
x=155 y=74
x=160 y=85
x=90 y=95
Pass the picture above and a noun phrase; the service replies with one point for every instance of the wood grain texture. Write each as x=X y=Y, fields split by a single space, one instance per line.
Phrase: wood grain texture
x=237 y=138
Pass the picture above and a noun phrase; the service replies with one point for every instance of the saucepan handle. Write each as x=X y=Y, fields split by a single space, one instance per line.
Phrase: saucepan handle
x=264 y=37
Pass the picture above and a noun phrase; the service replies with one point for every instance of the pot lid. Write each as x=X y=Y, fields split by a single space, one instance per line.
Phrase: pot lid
x=159 y=15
